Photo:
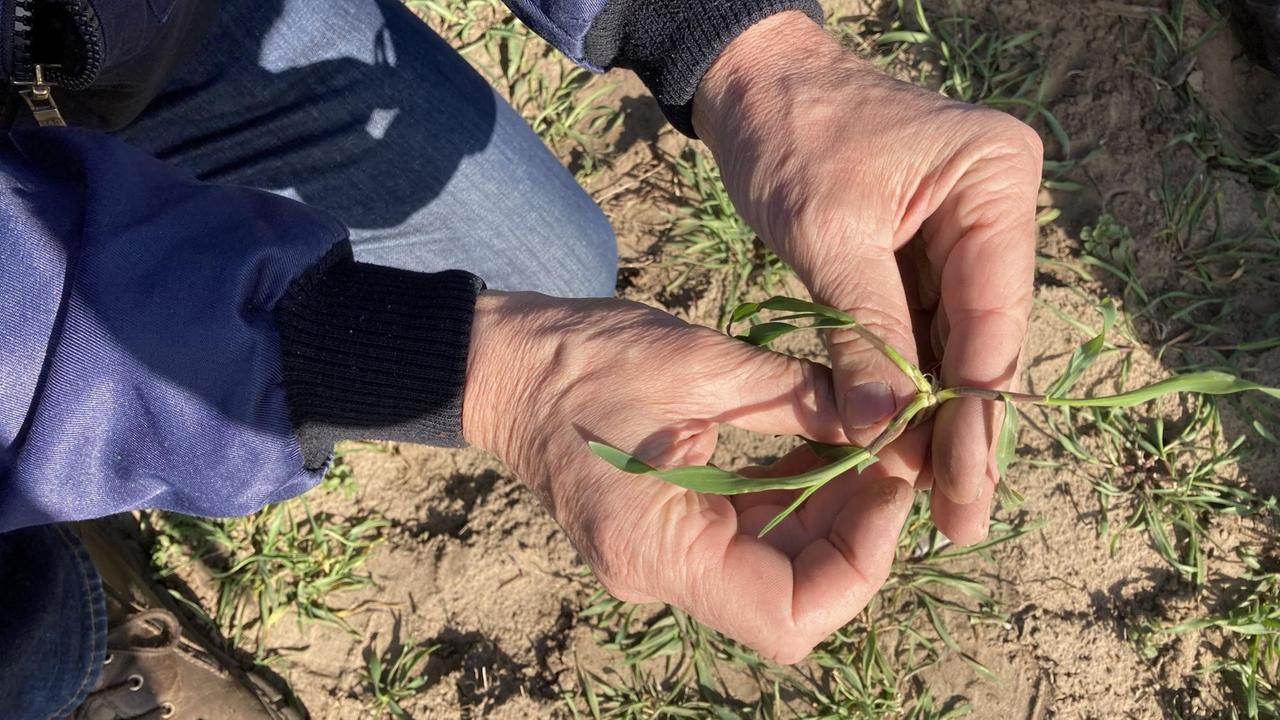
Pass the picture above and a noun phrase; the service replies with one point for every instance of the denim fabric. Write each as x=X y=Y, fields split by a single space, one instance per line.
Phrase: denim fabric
x=354 y=107
x=53 y=622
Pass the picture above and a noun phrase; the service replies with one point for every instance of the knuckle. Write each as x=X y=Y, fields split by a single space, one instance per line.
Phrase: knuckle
x=997 y=134
x=1033 y=141
x=1020 y=141
x=793 y=651
x=884 y=324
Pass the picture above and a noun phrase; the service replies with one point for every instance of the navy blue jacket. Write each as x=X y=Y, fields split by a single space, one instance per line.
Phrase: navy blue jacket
x=166 y=343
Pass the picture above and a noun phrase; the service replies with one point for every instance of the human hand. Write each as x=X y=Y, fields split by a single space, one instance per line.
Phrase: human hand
x=911 y=212
x=547 y=375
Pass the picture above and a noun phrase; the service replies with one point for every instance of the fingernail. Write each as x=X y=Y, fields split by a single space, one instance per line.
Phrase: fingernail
x=961 y=493
x=868 y=404
x=973 y=496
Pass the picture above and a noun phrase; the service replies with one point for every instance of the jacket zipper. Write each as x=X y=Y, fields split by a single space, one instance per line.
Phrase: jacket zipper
x=39 y=96
x=27 y=77
x=35 y=82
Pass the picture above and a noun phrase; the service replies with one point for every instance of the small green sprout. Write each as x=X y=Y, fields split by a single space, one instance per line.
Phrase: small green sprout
x=799 y=315
x=398 y=677
x=1250 y=633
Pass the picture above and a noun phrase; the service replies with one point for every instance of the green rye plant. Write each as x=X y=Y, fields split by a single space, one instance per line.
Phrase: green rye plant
x=799 y=315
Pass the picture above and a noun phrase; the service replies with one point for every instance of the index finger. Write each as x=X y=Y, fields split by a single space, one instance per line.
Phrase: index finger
x=981 y=243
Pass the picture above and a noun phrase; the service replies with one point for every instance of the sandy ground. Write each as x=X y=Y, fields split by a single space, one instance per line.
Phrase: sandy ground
x=473 y=564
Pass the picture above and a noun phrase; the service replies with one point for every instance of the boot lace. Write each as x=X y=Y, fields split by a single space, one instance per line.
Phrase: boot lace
x=125 y=638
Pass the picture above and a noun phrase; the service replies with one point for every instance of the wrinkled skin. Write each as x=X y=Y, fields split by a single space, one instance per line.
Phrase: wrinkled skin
x=911 y=212
x=561 y=372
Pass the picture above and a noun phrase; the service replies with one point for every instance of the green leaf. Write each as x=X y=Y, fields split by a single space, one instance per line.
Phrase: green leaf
x=1008 y=495
x=765 y=333
x=907 y=36
x=786 y=512
x=1087 y=354
x=714 y=481
x=1006 y=451
x=620 y=460
x=744 y=311
x=1007 y=444
x=787 y=304
x=831 y=452
x=1208 y=382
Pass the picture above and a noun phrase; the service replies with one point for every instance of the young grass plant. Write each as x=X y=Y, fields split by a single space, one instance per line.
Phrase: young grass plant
x=872 y=667
x=931 y=582
x=394 y=677
x=1250 y=630
x=673 y=666
x=1218 y=278
x=799 y=315
x=283 y=558
x=1160 y=475
x=975 y=63
x=710 y=236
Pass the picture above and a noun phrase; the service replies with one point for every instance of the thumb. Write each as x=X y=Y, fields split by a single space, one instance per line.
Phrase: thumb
x=770 y=393
x=869 y=388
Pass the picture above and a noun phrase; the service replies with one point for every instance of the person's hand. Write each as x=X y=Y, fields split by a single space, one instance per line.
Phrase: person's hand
x=911 y=212
x=547 y=375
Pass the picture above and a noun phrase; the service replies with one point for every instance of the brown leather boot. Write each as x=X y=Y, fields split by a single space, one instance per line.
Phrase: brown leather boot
x=157 y=668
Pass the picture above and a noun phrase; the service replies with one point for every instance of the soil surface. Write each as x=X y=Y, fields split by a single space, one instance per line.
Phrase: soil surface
x=472 y=563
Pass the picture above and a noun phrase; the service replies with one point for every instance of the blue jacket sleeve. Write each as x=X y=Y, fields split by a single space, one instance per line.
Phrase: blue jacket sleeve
x=157 y=344
x=670 y=44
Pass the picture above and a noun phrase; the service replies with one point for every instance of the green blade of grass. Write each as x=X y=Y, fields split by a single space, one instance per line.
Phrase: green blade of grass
x=1208 y=382
x=786 y=512
x=714 y=481
x=1086 y=355
x=787 y=304
x=1006 y=451
x=904 y=36
x=1007 y=444
x=764 y=334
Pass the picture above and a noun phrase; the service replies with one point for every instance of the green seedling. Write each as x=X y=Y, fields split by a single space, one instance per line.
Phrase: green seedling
x=672 y=666
x=1250 y=629
x=973 y=63
x=396 y=678
x=710 y=238
x=270 y=564
x=799 y=315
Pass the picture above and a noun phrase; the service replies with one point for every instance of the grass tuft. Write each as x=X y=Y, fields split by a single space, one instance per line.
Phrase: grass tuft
x=394 y=676
x=283 y=558
x=710 y=238
x=1248 y=628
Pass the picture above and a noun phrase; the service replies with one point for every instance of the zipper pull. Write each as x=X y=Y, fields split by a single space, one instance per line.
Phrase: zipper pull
x=39 y=97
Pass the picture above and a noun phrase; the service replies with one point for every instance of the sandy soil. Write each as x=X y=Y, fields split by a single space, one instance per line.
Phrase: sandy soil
x=472 y=563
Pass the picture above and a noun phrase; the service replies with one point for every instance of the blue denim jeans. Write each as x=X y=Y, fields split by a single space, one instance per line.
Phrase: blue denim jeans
x=357 y=108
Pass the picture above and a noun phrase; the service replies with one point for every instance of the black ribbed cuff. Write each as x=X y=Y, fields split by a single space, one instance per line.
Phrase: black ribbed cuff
x=375 y=353
x=671 y=44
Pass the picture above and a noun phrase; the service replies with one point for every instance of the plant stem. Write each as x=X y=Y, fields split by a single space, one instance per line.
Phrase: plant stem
x=992 y=395
x=911 y=371
x=922 y=401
